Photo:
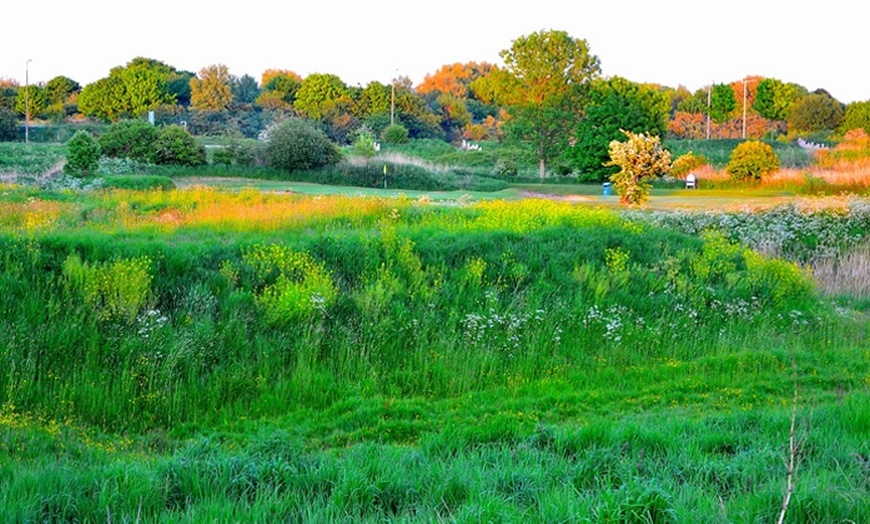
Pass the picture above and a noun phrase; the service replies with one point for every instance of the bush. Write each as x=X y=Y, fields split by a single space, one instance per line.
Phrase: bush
x=8 y=125
x=133 y=139
x=244 y=152
x=83 y=155
x=752 y=160
x=506 y=167
x=174 y=145
x=685 y=164
x=639 y=159
x=395 y=134
x=295 y=145
x=222 y=156
x=364 y=145
x=138 y=183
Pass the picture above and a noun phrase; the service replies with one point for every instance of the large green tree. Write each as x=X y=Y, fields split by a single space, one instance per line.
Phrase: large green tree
x=319 y=93
x=857 y=117
x=59 y=89
x=817 y=111
x=773 y=98
x=245 y=89
x=615 y=106
x=129 y=91
x=32 y=99
x=373 y=99
x=722 y=102
x=210 y=90
x=543 y=87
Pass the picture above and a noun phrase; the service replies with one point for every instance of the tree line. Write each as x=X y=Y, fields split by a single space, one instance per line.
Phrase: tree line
x=549 y=95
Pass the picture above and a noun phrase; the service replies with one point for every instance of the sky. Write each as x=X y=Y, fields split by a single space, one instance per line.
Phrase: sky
x=668 y=42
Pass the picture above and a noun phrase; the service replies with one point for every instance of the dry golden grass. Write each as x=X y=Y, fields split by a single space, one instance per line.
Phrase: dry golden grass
x=848 y=273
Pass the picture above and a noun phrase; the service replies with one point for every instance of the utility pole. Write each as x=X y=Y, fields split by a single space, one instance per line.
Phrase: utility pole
x=708 y=110
x=393 y=100
x=27 y=102
x=744 y=108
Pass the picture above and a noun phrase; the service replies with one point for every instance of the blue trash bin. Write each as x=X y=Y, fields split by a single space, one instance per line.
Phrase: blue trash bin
x=606 y=188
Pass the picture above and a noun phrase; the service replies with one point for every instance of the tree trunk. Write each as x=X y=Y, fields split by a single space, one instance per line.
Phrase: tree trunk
x=542 y=169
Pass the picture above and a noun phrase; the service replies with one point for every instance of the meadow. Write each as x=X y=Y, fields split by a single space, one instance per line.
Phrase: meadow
x=207 y=355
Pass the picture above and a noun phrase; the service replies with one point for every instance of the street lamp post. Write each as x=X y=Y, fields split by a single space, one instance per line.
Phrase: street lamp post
x=27 y=101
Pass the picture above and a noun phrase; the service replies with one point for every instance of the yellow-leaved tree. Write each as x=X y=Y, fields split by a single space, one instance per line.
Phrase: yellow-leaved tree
x=639 y=159
x=210 y=90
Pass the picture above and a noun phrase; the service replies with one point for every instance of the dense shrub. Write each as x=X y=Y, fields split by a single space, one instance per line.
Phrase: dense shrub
x=506 y=167
x=297 y=145
x=8 y=125
x=222 y=156
x=639 y=159
x=245 y=153
x=752 y=160
x=133 y=139
x=83 y=155
x=395 y=134
x=364 y=145
x=686 y=163
x=174 y=145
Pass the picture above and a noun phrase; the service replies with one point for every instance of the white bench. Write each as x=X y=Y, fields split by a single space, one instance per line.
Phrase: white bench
x=691 y=181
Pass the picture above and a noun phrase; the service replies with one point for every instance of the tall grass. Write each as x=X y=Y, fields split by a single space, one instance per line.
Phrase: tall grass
x=198 y=355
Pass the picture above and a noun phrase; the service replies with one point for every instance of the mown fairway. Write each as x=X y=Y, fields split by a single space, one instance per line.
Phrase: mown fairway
x=207 y=356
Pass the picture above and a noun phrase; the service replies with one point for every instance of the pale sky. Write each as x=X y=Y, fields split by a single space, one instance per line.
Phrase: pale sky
x=669 y=42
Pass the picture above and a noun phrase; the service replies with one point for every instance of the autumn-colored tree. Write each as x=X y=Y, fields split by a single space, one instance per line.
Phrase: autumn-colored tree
x=639 y=159
x=543 y=87
x=756 y=127
x=454 y=79
x=210 y=90
x=688 y=125
x=270 y=74
x=278 y=90
x=751 y=86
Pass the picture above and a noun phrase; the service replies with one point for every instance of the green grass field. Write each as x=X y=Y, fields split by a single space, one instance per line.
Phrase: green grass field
x=205 y=355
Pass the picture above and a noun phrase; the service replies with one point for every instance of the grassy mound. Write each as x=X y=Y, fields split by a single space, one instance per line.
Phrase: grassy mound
x=199 y=355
